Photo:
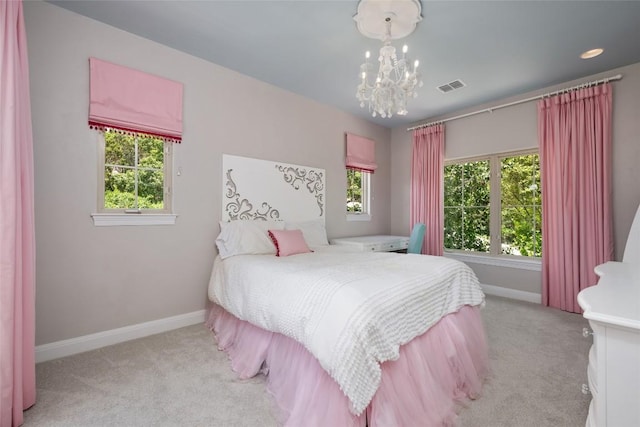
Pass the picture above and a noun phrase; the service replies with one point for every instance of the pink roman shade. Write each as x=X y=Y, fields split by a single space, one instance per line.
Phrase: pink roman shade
x=361 y=153
x=132 y=101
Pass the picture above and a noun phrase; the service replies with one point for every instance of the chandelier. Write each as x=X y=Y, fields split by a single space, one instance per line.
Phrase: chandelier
x=388 y=89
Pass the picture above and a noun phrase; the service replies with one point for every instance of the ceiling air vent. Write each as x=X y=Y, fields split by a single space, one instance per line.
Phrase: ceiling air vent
x=456 y=84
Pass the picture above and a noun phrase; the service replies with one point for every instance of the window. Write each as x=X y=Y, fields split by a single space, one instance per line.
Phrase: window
x=521 y=205
x=358 y=184
x=126 y=105
x=137 y=174
x=467 y=206
x=499 y=192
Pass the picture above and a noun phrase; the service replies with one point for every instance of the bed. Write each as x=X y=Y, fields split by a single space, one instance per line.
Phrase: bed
x=344 y=338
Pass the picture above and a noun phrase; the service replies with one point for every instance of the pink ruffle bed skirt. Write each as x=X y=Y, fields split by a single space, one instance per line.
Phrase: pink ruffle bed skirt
x=434 y=373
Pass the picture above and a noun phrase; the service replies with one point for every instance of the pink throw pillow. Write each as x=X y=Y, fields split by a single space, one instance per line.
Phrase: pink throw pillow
x=288 y=242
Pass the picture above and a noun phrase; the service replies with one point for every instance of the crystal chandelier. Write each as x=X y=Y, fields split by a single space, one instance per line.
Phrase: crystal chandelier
x=387 y=89
x=394 y=83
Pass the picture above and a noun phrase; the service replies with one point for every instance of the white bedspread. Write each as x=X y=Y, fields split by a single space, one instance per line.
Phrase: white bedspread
x=351 y=310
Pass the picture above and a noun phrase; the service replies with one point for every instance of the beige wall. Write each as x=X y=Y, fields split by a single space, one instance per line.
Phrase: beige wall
x=92 y=279
x=515 y=128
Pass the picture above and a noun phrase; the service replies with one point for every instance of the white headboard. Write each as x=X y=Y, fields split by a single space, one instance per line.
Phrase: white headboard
x=260 y=189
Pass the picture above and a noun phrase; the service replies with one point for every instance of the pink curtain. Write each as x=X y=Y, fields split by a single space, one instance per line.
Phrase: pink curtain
x=17 y=247
x=574 y=131
x=427 y=186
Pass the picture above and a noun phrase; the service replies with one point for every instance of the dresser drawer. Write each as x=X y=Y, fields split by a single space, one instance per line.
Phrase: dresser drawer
x=374 y=243
x=592 y=378
x=383 y=247
x=393 y=246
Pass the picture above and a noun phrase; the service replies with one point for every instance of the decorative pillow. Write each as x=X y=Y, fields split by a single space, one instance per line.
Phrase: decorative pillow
x=313 y=231
x=246 y=237
x=288 y=242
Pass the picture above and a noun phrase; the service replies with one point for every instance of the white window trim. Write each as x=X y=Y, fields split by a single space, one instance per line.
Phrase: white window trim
x=358 y=217
x=510 y=261
x=117 y=219
x=365 y=215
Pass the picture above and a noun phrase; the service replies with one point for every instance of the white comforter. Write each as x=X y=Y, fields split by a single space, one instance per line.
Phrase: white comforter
x=352 y=310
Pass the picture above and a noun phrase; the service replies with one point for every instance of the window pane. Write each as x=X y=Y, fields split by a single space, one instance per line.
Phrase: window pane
x=466 y=203
x=467 y=196
x=538 y=232
x=537 y=199
x=476 y=229
x=150 y=173
x=453 y=185
x=453 y=228
x=476 y=183
x=134 y=172
x=150 y=189
x=118 y=188
x=119 y=178
x=354 y=191
x=521 y=212
x=150 y=152
x=119 y=149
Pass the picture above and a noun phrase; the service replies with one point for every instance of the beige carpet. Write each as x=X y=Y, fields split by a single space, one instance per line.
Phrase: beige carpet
x=178 y=378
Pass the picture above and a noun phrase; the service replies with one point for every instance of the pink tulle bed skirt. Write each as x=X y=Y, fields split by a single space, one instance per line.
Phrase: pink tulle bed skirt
x=435 y=372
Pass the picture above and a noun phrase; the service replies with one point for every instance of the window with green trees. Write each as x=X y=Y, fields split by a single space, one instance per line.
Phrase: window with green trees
x=466 y=206
x=521 y=205
x=500 y=192
x=357 y=192
x=135 y=173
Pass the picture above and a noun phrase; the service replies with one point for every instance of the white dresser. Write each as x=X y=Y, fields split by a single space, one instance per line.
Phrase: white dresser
x=381 y=243
x=613 y=310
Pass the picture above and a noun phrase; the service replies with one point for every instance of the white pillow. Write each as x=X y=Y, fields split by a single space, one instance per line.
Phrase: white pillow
x=246 y=237
x=313 y=231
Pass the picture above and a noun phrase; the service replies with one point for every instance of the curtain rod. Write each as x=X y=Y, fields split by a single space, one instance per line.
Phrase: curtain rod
x=522 y=101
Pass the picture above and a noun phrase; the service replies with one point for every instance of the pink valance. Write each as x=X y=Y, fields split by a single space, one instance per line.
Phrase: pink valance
x=132 y=101
x=361 y=153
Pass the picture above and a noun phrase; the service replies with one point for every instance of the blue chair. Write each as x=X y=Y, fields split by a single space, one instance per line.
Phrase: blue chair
x=416 y=239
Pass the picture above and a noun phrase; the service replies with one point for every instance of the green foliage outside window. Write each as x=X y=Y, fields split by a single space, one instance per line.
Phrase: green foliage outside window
x=467 y=210
x=521 y=206
x=134 y=172
x=466 y=206
x=354 y=191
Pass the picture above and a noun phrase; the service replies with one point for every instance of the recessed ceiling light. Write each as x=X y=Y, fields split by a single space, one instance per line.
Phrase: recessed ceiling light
x=591 y=53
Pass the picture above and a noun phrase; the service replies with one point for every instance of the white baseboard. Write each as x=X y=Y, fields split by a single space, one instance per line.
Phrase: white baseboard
x=499 y=291
x=84 y=343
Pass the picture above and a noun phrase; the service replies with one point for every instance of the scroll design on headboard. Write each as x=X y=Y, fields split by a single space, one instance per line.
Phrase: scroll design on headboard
x=311 y=178
x=239 y=208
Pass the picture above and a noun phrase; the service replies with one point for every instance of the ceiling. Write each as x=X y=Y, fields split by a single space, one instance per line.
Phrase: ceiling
x=313 y=48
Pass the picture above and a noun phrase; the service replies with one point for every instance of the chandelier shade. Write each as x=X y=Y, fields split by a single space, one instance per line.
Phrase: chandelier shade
x=387 y=86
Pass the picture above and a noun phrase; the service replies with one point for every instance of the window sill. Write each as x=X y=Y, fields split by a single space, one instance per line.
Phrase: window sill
x=498 y=261
x=118 y=219
x=358 y=217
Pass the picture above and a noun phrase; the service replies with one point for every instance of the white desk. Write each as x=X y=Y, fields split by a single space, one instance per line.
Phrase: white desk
x=380 y=243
